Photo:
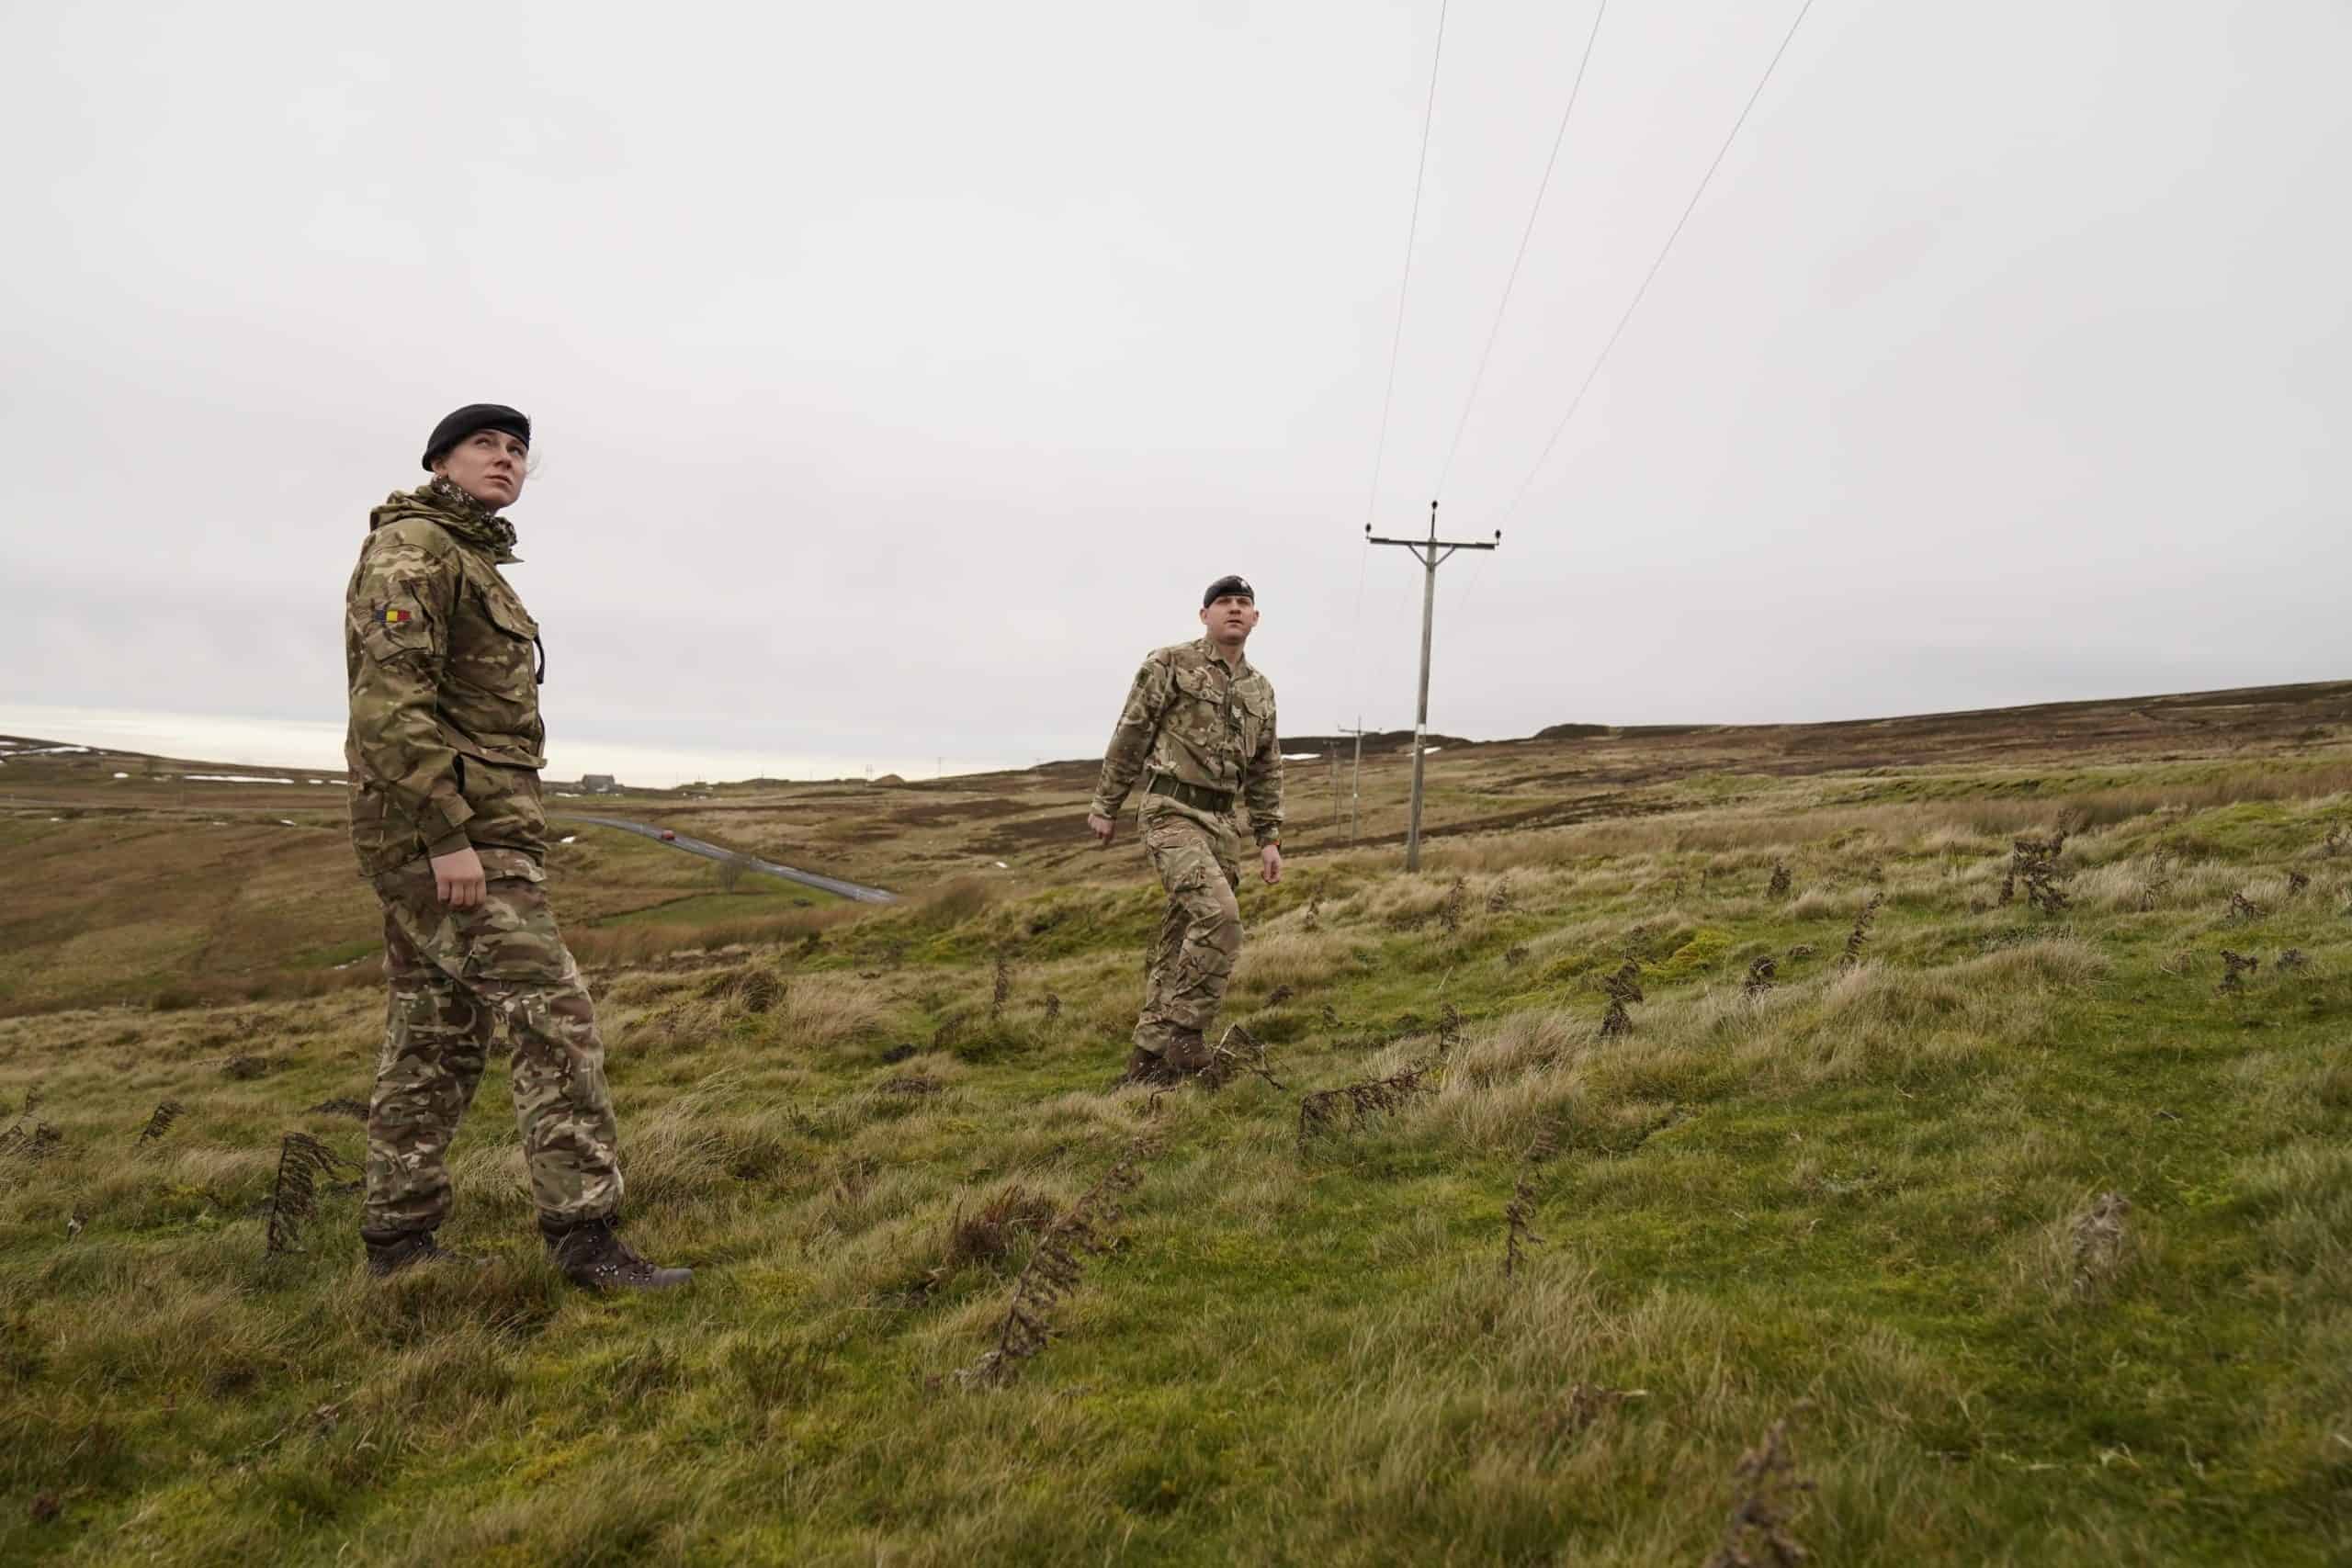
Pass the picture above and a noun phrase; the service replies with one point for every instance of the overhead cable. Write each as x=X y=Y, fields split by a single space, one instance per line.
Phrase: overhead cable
x=1397 y=339
x=1412 y=228
x=1544 y=186
x=1648 y=279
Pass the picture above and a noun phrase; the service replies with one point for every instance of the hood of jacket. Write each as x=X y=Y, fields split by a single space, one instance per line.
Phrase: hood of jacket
x=459 y=514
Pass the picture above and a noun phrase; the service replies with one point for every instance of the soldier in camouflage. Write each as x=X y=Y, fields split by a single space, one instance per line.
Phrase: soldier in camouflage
x=445 y=747
x=1198 y=730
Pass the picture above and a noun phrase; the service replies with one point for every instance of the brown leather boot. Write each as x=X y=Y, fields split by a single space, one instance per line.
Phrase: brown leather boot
x=390 y=1253
x=1145 y=1066
x=1186 y=1053
x=594 y=1257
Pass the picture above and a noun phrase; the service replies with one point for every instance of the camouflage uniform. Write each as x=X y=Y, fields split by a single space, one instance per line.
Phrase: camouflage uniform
x=444 y=749
x=1199 y=735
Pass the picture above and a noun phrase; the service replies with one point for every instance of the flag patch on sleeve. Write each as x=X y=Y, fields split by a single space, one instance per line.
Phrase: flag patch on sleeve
x=398 y=617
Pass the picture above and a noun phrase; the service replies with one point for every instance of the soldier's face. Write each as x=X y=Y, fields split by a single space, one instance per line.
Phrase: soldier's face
x=1230 y=618
x=488 y=464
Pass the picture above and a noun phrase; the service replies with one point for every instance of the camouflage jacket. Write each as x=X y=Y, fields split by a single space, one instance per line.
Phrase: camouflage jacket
x=1191 y=719
x=444 y=663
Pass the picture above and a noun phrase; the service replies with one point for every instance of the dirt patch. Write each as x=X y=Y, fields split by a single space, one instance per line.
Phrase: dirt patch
x=943 y=813
x=1034 y=833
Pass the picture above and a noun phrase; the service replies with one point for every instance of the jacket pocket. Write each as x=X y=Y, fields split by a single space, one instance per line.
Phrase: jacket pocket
x=507 y=612
x=1256 y=723
x=1205 y=712
x=490 y=695
x=370 y=816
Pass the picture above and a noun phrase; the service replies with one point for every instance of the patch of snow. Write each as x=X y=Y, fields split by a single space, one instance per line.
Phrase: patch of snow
x=314 y=781
x=283 y=823
x=1431 y=750
x=1302 y=756
x=57 y=819
x=235 y=778
x=56 y=752
x=568 y=794
x=1001 y=866
x=569 y=838
x=122 y=775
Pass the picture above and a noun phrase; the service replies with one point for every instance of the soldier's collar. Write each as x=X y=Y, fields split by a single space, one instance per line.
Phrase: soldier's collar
x=469 y=519
x=1240 y=665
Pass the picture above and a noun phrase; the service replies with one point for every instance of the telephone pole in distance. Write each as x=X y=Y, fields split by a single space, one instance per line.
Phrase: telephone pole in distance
x=1429 y=552
x=1355 y=781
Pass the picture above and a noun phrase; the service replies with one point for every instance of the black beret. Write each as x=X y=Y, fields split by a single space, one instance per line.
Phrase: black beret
x=473 y=417
x=1228 y=584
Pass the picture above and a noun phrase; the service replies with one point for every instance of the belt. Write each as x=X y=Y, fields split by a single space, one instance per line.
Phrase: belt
x=1193 y=796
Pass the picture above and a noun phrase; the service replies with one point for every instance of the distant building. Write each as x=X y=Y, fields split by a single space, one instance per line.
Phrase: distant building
x=599 y=783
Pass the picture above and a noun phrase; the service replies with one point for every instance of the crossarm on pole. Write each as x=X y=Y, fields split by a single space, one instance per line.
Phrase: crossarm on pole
x=1431 y=552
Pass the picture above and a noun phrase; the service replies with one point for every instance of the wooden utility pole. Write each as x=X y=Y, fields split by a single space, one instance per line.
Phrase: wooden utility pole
x=1429 y=552
x=1355 y=780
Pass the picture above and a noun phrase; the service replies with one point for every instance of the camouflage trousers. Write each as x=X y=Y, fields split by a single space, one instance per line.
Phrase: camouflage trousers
x=454 y=976
x=1186 y=971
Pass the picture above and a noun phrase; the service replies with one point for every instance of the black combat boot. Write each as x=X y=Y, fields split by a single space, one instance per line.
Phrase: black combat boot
x=590 y=1255
x=391 y=1251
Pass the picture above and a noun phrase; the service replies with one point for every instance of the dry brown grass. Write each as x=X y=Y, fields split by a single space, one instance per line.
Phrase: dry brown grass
x=1772 y=1496
x=1964 y=825
x=1087 y=1228
x=639 y=942
x=1350 y=1106
x=1305 y=960
x=1519 y=1214
x=2088 y=1255
x=1756 y=1195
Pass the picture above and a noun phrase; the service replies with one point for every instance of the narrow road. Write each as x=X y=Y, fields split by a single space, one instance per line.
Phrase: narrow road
x=858 y=891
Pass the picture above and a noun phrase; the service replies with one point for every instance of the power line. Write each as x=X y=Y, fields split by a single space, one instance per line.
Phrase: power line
x=1648 y=279
x=1462 y=603
x=1542 y=186
x=1412 y=228
x=1397 y=339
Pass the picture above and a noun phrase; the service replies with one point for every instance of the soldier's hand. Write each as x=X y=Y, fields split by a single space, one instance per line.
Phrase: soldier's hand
x=1101 y=826
x=457 y=879
x=1270 y=857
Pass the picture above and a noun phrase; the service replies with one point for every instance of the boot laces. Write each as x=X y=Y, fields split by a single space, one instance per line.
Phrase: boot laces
x=606 y=1253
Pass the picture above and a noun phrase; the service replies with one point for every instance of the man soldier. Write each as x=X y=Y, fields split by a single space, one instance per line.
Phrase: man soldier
x=445 y=749
x=1198 y=728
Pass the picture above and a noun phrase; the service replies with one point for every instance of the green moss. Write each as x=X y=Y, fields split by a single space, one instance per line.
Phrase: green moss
x=1703 y=951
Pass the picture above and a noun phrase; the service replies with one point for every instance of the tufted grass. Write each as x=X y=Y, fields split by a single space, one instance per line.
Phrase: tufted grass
x=1859 y=1197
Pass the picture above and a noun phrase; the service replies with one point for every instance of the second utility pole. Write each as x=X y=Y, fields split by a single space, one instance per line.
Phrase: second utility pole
x=1429 y=552
x=1355 y=781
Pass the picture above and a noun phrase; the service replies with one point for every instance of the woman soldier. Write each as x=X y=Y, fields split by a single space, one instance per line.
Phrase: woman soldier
x=445 y=749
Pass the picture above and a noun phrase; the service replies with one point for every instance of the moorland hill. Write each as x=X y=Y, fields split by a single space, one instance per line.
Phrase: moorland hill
x=1921 y=1141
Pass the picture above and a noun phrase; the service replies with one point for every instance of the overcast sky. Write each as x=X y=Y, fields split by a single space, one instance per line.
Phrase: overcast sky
x=901 y=372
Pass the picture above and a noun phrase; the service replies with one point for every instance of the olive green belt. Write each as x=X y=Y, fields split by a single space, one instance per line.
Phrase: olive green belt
x=1193 y=796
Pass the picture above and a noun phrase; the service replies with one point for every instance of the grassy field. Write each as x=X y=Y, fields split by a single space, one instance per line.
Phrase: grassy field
x=1792 y=1093
x=156 y=907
